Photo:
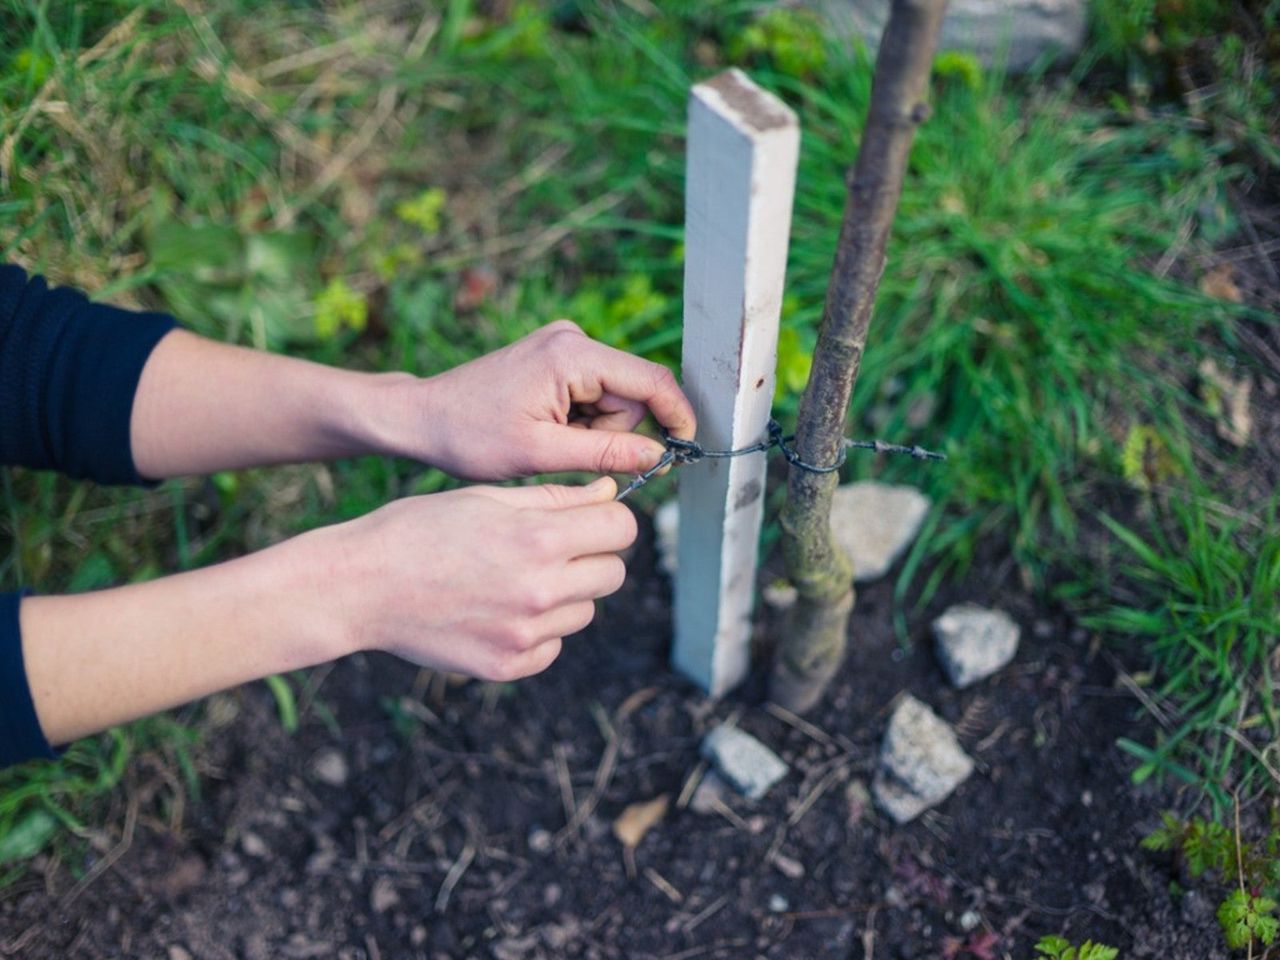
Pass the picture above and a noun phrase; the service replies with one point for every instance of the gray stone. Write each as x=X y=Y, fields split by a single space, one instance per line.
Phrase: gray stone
x=1010 y=33
x=921 y=762
x=875 y=523
x=973 y=642
x=744 y=762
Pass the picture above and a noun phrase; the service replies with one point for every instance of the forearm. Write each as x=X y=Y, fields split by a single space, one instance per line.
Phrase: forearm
x=98 y=659
x=203 y=406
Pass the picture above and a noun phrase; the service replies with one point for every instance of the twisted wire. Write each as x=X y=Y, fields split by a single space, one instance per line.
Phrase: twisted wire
x=680 y=452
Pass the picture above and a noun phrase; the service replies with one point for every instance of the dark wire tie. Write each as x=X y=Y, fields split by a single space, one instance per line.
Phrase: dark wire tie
x=690 y=451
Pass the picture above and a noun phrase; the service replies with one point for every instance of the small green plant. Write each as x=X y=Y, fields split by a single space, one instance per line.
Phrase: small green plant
x=1245 y=918
x=1247 y=912
x=1057 y=948
x=791 y=39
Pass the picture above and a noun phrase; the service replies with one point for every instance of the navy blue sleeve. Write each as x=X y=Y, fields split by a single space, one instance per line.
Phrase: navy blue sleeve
x=68 y=373
x=20 y=735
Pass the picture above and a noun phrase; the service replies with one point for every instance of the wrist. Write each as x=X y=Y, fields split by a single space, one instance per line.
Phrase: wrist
x=393 y=415
x=315 y=576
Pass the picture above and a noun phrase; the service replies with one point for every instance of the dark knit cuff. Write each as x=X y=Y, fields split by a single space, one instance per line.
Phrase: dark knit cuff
x=20 y=735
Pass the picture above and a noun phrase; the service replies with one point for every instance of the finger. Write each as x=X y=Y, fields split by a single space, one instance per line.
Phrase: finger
x=650 y=383
x=565 y=621
x=593 y=577
x=599 y=451
x=531 y=661
x=585 y=531
x=552 y=496
x=612 y=412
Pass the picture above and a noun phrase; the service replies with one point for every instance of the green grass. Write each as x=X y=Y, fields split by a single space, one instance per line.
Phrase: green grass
x=323 y=182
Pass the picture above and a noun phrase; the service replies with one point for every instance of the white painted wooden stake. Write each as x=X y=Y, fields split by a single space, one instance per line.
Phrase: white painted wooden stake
x=741 y=165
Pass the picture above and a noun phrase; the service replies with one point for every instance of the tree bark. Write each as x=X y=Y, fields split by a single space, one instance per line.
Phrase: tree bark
x=813 y=645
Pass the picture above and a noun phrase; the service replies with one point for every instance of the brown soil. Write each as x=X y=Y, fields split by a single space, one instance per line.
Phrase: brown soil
x=448 y=838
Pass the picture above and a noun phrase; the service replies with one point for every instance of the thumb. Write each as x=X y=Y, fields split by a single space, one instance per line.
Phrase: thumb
x=556 y=496
x=599 y=451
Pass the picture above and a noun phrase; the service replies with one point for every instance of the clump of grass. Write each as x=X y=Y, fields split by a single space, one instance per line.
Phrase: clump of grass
x=1202 y=588
x=57 y=806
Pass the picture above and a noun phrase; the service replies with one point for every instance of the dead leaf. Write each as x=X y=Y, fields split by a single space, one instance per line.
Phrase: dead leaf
x=638 y=819
x=1228 y=400
x=1220 y=283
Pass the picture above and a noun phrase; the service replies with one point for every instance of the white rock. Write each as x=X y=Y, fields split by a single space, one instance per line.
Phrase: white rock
x=921 y=762
x=329 y=766
x=780 y=595
x=744 y=762
x=875 y=523
x=1013 y=33
x=666 y=525
x=540 y=841
x=973 y=642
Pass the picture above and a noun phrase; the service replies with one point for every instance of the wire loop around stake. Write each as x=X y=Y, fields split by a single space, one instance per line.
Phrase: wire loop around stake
x=690 y=451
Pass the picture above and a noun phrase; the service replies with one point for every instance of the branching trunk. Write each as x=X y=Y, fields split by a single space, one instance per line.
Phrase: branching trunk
x=813 y=645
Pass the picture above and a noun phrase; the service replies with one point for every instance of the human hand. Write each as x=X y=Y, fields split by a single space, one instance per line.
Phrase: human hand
x=484 y=581
x=554 y=400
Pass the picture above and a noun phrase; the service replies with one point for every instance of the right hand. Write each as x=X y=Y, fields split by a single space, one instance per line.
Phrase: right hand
x=484 y=581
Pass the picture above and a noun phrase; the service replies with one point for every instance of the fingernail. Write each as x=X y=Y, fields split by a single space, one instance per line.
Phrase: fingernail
x=598 y=484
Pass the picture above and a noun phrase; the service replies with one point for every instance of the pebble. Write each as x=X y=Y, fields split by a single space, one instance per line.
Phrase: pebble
x=921 y=762
x=746 y=764
x=330 y=766
x=969 y=920
x=709 y=794
x=178 y=953
x=254 y=845
x=875 y=523
x=778 y=904
x=540 y=841
x=384 y=895
x=973 y=642
x=780 y=595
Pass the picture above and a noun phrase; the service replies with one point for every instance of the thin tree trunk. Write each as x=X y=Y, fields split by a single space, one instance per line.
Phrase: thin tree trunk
x=813 y=646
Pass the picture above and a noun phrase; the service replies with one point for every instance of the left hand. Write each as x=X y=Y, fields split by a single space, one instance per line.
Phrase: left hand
x=554 y=400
